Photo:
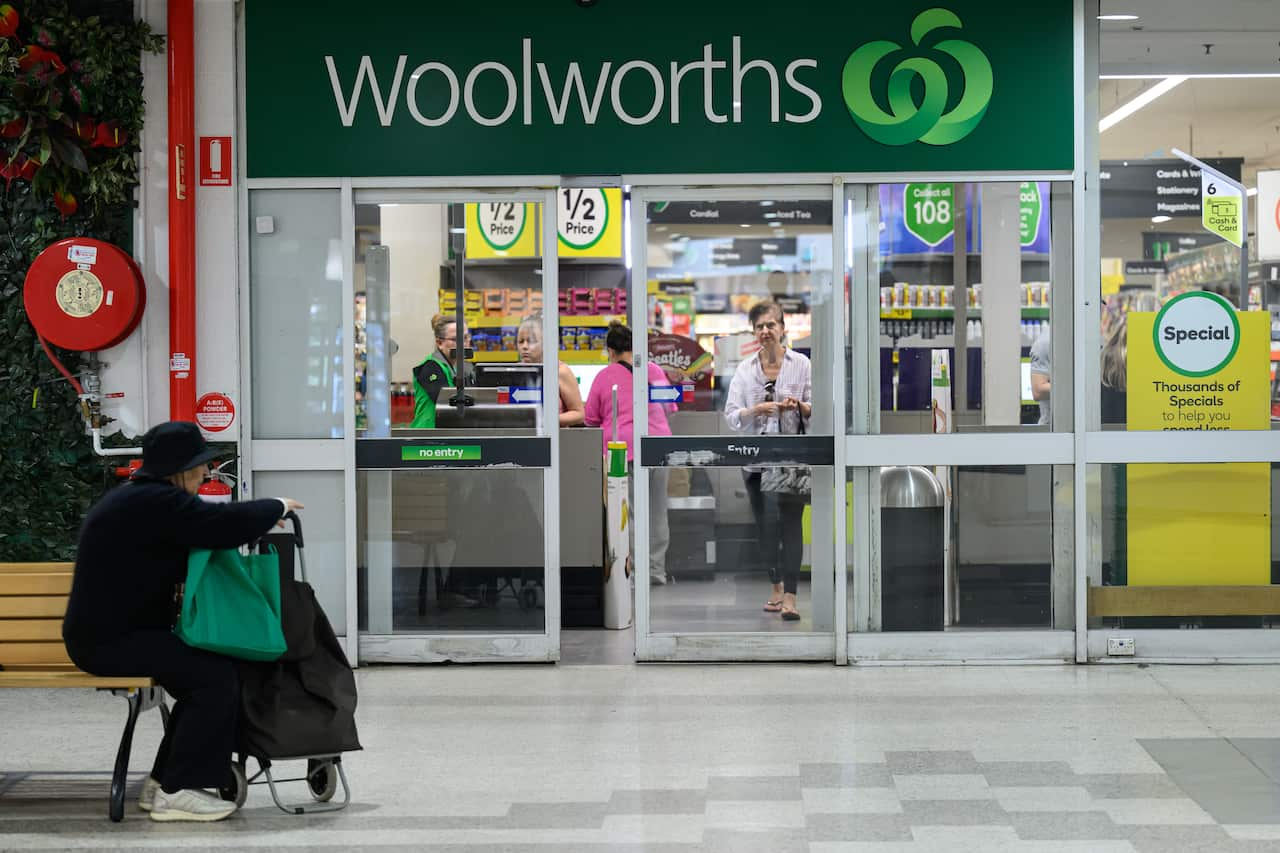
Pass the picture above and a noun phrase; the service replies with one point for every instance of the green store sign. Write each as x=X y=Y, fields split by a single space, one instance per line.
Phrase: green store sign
x=440 y=453
x=656 y=86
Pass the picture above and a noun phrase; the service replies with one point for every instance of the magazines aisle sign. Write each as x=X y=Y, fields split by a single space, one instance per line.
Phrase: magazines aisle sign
x=510 y=87
x=1199 y=365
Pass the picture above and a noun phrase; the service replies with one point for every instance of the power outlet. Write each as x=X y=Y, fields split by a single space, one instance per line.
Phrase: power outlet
x=1121 y=646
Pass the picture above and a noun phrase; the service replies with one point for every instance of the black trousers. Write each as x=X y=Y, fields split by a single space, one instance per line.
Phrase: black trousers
x=197 y=746
x=780 y=521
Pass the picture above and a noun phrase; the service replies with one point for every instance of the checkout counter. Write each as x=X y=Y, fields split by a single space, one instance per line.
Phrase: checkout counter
x=479 y=537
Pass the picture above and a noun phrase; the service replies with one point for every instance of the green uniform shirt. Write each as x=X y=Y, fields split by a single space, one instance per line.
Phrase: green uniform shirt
x=432 y=374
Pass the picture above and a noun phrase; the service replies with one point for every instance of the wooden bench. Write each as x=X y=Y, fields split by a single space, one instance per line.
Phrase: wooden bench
x=33 y=599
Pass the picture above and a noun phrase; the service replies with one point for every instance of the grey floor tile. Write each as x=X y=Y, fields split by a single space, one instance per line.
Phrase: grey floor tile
x=554 y=816
x=1182 y=839
x=845 y=776
x=931 y=761
x=1130 y=786
x=753 y=788
x=771 y=841
x=658 y=801
x=858 y=827
x=1263 y=752
x=1067 y=826
x=954 y=813
x=1028 y=774
x=1222 y=780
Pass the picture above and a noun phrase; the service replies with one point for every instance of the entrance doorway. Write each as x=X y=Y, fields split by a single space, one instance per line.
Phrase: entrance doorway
x=456 y=466
x=734 y=491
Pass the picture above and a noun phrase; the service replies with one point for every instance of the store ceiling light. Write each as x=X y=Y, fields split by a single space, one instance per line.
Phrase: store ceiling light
x=1127 y=109
x=1117 y=17
x=1160 y=219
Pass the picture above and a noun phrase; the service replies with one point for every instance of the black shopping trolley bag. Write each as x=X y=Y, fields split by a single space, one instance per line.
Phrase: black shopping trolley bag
x=303 y=704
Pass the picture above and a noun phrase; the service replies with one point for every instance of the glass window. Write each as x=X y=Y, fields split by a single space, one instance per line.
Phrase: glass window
x=430 y=560
x=324 y=532
x=1186 y=546
x=735 y=550
x=295 y=292
x=1156 y=247
x=967 y=548
x=965 y=276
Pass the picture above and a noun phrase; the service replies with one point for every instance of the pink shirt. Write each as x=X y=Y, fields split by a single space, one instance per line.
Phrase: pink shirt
x=599 y=409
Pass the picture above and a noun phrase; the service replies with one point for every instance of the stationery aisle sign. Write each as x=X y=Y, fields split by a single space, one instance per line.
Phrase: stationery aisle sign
x=1199 y=365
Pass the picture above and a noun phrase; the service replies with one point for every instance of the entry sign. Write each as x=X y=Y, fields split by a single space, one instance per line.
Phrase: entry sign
x=215 y=412
x=1220 y=209
x=215 y=161
x=1269 y=215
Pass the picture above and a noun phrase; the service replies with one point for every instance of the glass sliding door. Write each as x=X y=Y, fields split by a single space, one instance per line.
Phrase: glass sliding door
x=960 y=447
x=456 y=464
x=732 y=295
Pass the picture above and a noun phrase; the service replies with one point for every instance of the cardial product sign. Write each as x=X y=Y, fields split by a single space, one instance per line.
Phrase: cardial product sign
x=512 y=87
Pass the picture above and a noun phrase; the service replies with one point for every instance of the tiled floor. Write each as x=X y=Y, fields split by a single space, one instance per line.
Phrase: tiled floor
x=681 y=758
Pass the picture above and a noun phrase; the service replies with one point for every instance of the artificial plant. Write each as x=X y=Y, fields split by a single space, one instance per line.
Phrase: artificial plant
x=71 y=109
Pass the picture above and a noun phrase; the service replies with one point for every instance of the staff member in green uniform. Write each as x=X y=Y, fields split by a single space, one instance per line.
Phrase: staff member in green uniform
x=437 y=371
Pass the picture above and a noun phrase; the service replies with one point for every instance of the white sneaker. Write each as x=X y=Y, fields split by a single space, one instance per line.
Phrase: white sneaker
x=190 y=804
x=148 y=794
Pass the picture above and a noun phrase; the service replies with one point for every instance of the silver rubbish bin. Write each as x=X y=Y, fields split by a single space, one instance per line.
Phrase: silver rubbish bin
x=912 y=549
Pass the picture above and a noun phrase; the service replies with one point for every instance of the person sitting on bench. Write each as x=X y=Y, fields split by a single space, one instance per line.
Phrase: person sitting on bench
x=130 y=565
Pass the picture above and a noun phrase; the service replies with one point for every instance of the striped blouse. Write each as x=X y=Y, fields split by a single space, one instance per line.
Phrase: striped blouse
x=746 y=390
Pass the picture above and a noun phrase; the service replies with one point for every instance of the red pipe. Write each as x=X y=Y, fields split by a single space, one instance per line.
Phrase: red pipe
x=182 y=211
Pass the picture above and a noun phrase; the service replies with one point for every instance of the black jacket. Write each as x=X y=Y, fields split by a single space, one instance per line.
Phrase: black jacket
x=133 y=552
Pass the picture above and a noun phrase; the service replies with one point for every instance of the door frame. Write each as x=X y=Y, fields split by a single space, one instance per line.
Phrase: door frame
x=340 y=454
x=733 y=646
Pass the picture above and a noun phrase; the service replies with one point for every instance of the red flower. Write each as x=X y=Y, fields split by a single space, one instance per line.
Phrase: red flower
x=37 y=57
x=86 y=127
x=13 y=129
x=10 y=170
x=29 y=169
x=8 y=20
x=109 y=135
x=65 y=202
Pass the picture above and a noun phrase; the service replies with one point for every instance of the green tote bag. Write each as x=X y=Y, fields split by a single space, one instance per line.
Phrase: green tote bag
x=231 y=604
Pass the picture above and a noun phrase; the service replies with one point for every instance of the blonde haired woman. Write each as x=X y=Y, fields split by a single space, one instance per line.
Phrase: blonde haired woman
x=529 y=345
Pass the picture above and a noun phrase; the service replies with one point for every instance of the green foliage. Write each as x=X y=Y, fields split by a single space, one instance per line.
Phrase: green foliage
x=48 y=473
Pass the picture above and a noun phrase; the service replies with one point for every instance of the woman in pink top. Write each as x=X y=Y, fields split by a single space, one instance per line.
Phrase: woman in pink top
x=599 y=412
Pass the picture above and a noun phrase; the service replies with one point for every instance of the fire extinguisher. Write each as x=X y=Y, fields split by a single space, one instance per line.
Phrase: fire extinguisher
x=217 y=489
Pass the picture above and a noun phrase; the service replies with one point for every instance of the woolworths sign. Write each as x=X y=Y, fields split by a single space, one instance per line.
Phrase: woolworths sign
x=656 y=86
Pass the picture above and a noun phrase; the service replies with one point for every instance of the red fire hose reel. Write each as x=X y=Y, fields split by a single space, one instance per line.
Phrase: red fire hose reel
x=84 y=295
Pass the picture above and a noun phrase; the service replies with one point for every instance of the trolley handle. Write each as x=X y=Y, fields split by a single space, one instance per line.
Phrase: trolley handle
x=297 y=539
x=297 y=526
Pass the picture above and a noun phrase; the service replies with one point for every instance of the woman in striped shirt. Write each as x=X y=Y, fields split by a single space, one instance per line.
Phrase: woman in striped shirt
x=772 y=392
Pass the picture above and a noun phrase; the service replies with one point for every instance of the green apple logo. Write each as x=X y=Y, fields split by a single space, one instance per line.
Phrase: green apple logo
x=907 y=120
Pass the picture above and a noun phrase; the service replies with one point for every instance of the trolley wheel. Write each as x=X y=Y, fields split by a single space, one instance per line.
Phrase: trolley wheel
x=322 y=779
x=238 y=791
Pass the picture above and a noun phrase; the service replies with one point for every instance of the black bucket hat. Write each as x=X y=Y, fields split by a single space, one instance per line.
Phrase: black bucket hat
x=171 y=447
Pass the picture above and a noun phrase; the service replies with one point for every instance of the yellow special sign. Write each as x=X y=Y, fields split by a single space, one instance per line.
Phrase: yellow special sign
x=589 y=222
x=502 y=229
x=1199 y=365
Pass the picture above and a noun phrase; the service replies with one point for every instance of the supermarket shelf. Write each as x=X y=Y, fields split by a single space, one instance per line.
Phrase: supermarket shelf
x=948 y=313
x=511 y=320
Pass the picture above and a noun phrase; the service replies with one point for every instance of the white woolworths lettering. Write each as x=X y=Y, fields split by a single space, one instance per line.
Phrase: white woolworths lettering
x=574 y=83
x=411 y=94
